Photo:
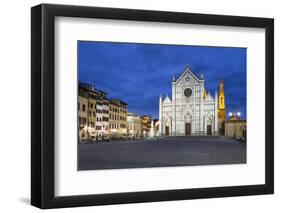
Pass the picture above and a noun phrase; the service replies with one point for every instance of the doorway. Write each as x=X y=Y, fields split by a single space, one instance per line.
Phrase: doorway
x=187 y=128
x=167 y=130
x=209 y=129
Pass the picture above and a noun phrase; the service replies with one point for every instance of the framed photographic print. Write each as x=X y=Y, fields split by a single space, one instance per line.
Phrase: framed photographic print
x=139 y=106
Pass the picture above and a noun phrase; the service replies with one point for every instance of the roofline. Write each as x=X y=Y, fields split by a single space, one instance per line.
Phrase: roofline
x=236 y=121
x=101 y=91
x=188 y=69
x=121 y=102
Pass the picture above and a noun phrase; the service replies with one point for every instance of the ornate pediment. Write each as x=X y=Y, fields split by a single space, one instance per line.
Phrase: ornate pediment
x=208 y=97
x=187 y=77
x=167 y=100
x=187 y=80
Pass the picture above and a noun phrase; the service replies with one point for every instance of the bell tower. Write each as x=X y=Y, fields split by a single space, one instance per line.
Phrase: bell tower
x=221 y=104
x=221 y=109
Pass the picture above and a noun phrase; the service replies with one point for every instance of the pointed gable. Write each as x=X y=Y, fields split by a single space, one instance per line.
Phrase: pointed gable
x=187 y=73
x=209 y=97
x=167 y=100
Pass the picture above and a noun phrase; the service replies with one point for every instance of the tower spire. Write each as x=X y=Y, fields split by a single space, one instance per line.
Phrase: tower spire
x=221 y=109
x=221 y=100
x=221 y=86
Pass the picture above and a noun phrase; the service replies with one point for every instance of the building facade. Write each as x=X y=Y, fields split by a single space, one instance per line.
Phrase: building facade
x=92 y=94
x=236 y=128
x=134 y=126
x=102 y=115
x=118 y=111
x=146 y=125
x=93 y=113
x=83 y=115
x=191 y=110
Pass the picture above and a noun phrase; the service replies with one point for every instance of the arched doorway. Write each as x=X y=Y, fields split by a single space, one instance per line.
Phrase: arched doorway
x=187 y=128
x=167 y=130
x=209 y=129
x=208 y=126
x=167 y=126
x=187 y=124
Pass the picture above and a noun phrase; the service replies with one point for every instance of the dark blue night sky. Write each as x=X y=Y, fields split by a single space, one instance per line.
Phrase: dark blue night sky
x=139 y=73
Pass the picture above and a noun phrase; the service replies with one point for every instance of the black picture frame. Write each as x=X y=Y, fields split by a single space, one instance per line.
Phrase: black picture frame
x=43 y=117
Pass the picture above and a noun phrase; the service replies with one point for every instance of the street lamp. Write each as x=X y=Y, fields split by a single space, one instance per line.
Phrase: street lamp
x=238 y=114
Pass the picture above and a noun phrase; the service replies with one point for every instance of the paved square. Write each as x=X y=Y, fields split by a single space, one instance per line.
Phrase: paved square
x=163 y=152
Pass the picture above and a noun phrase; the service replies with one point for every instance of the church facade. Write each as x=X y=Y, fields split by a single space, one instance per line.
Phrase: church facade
x=191 y=110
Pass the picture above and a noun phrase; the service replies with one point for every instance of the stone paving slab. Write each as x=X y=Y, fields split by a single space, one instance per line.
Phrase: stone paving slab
x=161 y=152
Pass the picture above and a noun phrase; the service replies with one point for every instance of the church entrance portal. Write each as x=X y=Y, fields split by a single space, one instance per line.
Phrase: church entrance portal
x=187 y=128
x=209 y=130
x=167 y=131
